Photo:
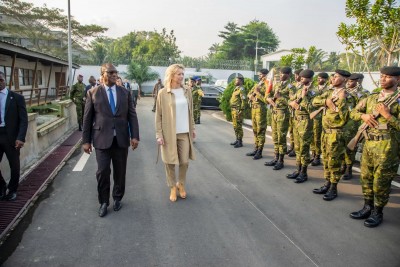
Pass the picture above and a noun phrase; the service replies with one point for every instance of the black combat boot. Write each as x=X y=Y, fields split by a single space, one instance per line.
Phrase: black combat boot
x=295 y=173
x=316 y=161
x=303 y=175
x=272 y=162
x=252 y=153
x=279 y=164
x=258 y=154
x=348 y=173
x=238 y=144
x=323 y=189
x=375 y=218
x=234 y=143
x=292 y=154
x=365 y=212
x=332 y=193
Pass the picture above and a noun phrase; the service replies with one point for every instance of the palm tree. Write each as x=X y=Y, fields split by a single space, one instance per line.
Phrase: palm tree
x=141 y=72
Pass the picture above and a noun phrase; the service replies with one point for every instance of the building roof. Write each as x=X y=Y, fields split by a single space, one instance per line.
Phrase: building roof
x=10 y=49
x=276 y=56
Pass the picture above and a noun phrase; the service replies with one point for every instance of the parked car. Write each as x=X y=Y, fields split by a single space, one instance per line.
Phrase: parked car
x=211 y=93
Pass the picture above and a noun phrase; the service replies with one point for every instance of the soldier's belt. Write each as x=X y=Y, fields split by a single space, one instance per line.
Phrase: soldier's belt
x=302 y=117
x=255 y=105
x=279 y=111
x=235 y=107
x=331 y=131
x=377 y=137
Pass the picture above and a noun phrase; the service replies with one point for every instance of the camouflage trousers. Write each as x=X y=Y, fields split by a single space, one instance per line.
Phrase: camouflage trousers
x=317 y=132
x=259 y=123
x=290 y=130
x=237 y=120
x=350 y=131
x=280 y=125
x=379 y=164
x=196 y=112
x=303 y=134
x=333 y=149
x=80 y=107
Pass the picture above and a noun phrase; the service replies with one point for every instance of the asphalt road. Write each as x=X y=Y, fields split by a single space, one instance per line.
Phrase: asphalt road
x=238 y=213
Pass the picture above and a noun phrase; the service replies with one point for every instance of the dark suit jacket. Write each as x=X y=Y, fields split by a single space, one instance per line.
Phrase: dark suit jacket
x=99 y=122
x=16 y=117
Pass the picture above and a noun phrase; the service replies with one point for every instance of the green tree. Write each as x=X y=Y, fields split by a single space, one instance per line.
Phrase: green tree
x=296 y=59
x=45 y=26
x=141 y=72
x=315 y=58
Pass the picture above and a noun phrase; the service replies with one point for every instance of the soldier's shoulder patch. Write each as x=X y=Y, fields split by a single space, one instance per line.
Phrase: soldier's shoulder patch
x=312 y=93
x=242 y=89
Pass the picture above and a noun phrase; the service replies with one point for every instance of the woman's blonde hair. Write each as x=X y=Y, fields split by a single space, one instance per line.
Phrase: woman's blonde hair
x=170 y=72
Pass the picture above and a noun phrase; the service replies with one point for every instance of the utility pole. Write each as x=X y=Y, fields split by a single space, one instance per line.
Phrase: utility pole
x=69 y=48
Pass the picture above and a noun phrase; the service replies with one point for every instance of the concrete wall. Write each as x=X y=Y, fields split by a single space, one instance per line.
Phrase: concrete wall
x=40 y=140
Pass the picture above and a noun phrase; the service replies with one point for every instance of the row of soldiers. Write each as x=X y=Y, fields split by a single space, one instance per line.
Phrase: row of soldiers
x=326 y=119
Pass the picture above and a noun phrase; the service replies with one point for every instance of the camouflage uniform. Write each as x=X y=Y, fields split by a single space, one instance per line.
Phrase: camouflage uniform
x=280 y=115
x=303 y=126
x=317 y=125
x=258 y=115
x=333 y=137
x=77 y=95
x=297 y=85
x=197 y=93
x=237 y=103
x=380 y=157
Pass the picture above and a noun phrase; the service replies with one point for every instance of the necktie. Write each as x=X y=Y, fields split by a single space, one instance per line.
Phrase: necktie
x=112 y=102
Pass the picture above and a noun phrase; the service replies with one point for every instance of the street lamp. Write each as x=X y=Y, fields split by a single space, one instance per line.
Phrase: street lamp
x=256 y=59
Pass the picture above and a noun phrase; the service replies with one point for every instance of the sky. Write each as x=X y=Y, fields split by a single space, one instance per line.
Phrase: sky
x=197 y=23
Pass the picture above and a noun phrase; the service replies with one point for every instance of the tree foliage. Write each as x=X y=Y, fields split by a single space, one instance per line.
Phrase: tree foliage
x=140 y=72
x=44 y=27
x=240 y=42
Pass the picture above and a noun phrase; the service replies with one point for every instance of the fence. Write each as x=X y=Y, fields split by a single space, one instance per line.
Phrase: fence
x=44 y=95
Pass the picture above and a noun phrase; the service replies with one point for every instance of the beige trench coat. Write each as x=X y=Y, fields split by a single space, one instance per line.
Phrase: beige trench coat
x=166 y=124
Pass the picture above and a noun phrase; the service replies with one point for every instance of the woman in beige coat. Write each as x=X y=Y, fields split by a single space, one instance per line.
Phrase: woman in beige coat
x=175 y=129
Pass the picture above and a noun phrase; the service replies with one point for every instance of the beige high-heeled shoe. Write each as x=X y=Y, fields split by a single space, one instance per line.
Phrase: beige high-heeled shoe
x=181 y=189
x=172 y=195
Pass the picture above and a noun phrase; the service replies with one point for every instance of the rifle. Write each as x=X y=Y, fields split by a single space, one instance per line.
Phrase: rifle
x=361 y=130
x=316 y=112
x=253 y=97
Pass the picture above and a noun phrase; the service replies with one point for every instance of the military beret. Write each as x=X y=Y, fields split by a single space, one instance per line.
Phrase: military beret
x=193 y=78
x=239 y=76
x=264 y=71
x=298 y=71
x=323 y=75
x=356 y=76
x=391 y=71
x=344 y=73
x=306 y=73
x=80 y=75
x=286 y=70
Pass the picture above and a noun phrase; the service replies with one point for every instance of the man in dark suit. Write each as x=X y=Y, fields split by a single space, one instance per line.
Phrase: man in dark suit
x=110 y=123
x=13 y=127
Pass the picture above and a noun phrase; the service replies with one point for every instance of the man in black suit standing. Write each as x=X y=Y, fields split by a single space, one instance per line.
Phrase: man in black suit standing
x=13 y=127
x=110 y=123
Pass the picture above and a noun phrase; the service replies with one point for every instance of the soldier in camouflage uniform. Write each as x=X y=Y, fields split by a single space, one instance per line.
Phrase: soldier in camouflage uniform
x=355 y=94
x=237 y=103
x=380 y=157
x=198 y=94
x=77 y=96
x=278 y=98
x=301 y=103
x=317 y=121
x=256 y=97
x=334 y=118
x=297 y=84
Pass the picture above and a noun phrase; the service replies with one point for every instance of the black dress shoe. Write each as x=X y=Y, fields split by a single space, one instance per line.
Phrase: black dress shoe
x=11 y=196
x=117 y=205
x=103 y=210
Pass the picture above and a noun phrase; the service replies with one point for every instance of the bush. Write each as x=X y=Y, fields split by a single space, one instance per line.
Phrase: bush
x=226 y=96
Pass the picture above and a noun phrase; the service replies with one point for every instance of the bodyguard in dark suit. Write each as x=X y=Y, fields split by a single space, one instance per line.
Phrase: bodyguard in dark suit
x=13 y=127
x=110 y=123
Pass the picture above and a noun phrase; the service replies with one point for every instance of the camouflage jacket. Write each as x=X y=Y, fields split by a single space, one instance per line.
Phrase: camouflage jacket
x=305 y=103
x=238 y=98
x=197 y=94
x=77 y=92
x=257 y=96
x=332 y=119
x=367 y=106
x=285 y=90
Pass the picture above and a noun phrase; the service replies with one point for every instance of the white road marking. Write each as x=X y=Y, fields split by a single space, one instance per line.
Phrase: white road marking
x=270 y=137
x=81 y=162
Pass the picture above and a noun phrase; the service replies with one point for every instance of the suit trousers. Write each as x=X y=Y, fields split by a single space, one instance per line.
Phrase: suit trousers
x=118 y=156
x=13 y=159
x=183 y=146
